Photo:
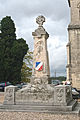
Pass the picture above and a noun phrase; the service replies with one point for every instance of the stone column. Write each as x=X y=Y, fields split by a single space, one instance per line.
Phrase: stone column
x=62 y=95
x=41 y=71
x=68 y=62
x=10 y=95
x=68 y=53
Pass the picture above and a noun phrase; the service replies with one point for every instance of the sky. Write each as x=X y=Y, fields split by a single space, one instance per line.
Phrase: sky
x=57 y=14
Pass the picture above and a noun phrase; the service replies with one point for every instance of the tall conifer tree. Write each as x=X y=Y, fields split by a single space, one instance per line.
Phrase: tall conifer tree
x=12 y=52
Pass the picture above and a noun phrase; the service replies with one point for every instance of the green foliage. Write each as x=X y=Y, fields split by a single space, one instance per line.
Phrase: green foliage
x=61 y=78
x=8 y=29
x=26 y=71
x=12 y=52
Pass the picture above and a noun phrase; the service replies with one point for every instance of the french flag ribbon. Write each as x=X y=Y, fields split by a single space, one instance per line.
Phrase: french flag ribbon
x=39 y=66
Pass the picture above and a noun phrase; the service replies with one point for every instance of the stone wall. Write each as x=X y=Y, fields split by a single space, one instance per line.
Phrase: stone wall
x=73 y=49
x=74 y=4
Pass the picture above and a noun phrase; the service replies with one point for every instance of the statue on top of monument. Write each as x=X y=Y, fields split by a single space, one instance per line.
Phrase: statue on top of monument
x=40 y=30
x=40 y=20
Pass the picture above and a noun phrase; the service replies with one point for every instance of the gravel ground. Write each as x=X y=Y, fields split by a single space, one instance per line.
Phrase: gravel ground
x=35 y=116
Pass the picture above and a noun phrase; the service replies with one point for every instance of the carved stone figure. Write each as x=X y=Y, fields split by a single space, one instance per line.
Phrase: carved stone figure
x=62 y=95
x=40 y=20
x=10 y=94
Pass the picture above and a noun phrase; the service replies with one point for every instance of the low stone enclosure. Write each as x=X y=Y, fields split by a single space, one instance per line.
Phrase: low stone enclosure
x=38 y=95
x=40 y=98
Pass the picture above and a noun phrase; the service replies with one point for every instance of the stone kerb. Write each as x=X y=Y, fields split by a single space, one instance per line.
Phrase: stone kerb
x=9 y=97
x=62 y=95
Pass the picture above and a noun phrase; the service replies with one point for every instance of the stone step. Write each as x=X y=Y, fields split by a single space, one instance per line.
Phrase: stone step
x=29 y=107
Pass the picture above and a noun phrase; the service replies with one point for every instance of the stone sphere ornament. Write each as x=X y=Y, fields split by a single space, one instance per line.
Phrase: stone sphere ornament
x=40 y=20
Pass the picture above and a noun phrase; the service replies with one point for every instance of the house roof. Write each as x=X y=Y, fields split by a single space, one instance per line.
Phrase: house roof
x=69 y=3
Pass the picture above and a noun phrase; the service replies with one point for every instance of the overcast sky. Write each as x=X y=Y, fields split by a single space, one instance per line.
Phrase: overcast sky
x=57 y=14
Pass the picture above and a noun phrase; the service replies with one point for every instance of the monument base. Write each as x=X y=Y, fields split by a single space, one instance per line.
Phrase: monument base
x=32 y=107
x=39 y=93
x=40 y=97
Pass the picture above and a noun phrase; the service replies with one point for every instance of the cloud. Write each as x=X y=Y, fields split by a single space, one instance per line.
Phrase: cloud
x=56 y=9
x=56 y=27
x=57 y=55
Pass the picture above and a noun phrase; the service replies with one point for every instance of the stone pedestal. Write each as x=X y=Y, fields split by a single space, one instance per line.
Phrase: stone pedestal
x=10 y=94
x=41 y=71
x=42 y=94
x=62 y=95
x=68 y=62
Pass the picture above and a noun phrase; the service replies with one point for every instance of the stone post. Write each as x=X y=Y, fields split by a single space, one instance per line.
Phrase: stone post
x=41 y=71
x=68 y=53
x=68 y=63
x=10 y=95
x=62 y=95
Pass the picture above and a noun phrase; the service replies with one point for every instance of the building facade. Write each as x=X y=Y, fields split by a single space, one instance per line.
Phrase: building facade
x=73 y=46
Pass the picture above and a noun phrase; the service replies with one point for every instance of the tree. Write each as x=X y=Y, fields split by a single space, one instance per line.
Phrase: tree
x=26 y=70
x=61 y=78
x=12 y=52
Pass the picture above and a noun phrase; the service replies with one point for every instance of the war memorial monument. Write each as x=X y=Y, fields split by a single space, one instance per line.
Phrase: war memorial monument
x=39 y=95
